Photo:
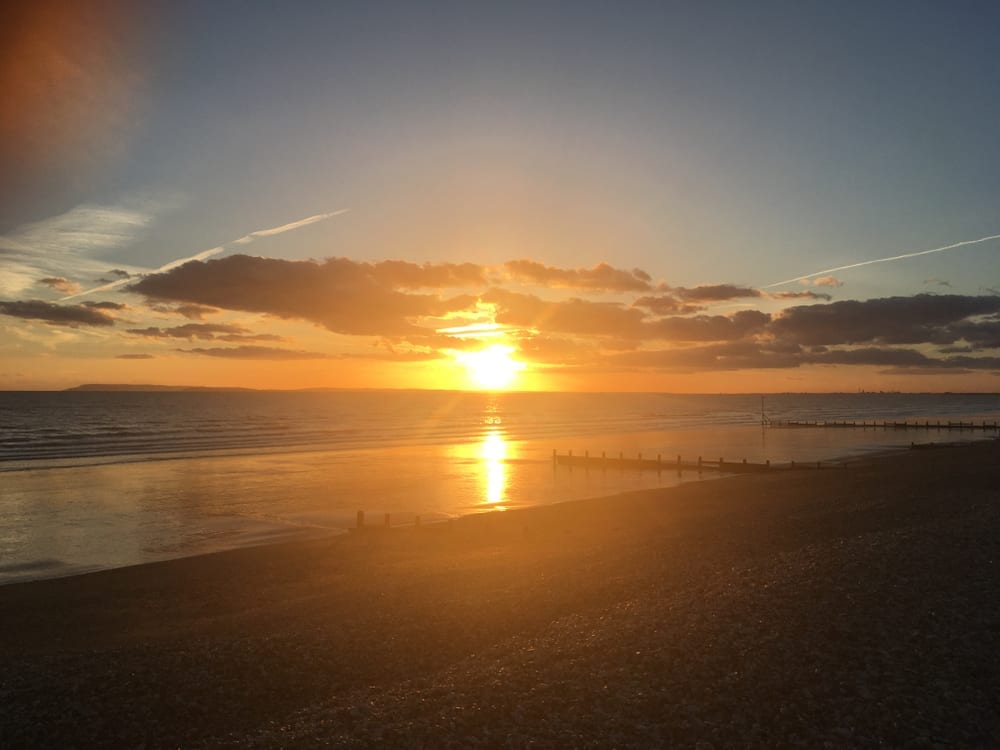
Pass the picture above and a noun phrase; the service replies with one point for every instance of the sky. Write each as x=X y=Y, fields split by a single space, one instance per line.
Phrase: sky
x=684 y=197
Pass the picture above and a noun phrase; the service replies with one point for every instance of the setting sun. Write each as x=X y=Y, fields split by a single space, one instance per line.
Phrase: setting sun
x=492 y=367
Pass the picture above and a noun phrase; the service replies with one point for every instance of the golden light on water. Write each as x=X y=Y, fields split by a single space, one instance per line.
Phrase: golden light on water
x=493 y=452
x=491 y=368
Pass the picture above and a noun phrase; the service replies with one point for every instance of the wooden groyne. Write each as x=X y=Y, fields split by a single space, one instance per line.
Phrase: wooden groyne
x=621 y=462
x=887 y=425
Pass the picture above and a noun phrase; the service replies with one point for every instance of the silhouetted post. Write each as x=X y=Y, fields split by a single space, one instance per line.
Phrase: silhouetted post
x=361 y=519
x=659 y=463
x=699 y=464
x=767 y=463
x=818 y=466
x=553 y=456
x=604 y=461
x=586 y=461
x=720 y=463
x=416 y=520
x=793 y=464
x=387 y=524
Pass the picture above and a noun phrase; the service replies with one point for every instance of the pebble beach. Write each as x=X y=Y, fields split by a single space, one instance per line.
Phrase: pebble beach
x=842 y=608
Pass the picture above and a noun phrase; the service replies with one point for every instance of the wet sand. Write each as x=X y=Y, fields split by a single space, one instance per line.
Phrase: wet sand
x=852 y=607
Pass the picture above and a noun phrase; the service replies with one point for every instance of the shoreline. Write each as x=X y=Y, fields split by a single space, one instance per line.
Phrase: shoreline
x=183 y=510
x=755 y=610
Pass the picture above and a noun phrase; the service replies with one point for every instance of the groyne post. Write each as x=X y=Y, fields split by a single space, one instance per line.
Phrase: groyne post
x=387 y=523
x=361 y=519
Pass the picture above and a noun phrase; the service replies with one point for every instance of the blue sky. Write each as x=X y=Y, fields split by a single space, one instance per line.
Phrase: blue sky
x=704 y=143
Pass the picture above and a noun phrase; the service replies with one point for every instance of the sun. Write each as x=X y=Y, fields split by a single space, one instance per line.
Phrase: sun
x=491 y=368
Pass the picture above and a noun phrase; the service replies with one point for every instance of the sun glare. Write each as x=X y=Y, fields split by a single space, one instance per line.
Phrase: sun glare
x=492 y=368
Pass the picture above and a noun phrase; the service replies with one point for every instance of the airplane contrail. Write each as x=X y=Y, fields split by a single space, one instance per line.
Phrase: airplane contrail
x=884 y=260
x=245 y=239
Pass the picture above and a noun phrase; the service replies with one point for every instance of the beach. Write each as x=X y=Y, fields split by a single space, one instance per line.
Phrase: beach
x=850 y=607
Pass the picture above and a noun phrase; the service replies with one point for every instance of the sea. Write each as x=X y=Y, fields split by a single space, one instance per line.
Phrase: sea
x=91 y=480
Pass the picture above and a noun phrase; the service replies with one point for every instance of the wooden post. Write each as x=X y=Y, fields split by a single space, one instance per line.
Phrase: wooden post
x=604 y=461
x=767 y=463
x=720 y=463
x=793 y=464
x=659 y=463
x=416 y=520
x=387 y=524
x=699 y=464
x=818 y=466
x=361 y=519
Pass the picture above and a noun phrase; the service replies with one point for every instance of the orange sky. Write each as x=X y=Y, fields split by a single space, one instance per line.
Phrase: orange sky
x=620 y=206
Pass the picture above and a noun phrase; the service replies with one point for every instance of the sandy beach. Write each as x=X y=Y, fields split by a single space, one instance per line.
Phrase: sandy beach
x=851 y=607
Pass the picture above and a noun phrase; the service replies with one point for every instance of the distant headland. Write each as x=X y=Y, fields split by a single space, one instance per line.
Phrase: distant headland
x=147 y=387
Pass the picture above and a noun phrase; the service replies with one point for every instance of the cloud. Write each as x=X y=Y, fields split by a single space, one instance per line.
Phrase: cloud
x=215 y=250
x=708 y=327
x=715 y=293
x=799 y=295
x=60 y=284
x=339 y=294
x=69 y=315
x=742 y=355
x=255 y=352
x=569 y=316
x=923 y=318
x=134 y=356
x=827 y=281
x=206 y=331
x=666 y=304
x=601 y=277
x=191 y=312
x=891 y=258
x=405 y=275
x=68 y=246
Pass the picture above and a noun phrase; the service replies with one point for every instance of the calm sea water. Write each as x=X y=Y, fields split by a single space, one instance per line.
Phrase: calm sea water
x=91 y=480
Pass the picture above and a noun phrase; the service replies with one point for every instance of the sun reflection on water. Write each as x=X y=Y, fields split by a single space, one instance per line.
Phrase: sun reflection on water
x=493 y=452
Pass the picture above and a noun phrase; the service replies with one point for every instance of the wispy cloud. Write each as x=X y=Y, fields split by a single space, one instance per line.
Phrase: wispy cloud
x=245 y=239
x=69 y=245
x=903 y=256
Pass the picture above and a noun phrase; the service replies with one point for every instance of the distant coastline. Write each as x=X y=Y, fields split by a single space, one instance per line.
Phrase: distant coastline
x=148 y=387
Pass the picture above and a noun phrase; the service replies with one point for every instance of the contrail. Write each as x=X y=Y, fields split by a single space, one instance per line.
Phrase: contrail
x=245 y=239
x=884 y=260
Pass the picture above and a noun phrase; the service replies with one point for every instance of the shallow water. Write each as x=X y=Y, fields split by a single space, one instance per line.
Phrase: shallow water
x=449 y=454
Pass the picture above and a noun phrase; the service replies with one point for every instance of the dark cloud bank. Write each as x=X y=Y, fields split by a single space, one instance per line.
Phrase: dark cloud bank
x=662 y=328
